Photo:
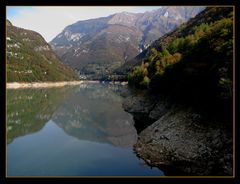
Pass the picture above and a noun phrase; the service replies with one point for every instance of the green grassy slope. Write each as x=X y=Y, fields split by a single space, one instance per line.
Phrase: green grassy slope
x=30 y=58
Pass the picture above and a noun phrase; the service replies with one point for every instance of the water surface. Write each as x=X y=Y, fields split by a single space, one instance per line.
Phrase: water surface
x=71 y=131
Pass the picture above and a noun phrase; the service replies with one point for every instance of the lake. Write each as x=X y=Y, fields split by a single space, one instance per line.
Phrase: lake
x=72 y=131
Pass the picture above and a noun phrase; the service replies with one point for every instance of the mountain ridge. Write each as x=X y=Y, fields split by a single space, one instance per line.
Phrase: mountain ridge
x=161 y=43
x=98 y=46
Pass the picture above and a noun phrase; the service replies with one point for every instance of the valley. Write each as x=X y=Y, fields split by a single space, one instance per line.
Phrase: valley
x=151 y=92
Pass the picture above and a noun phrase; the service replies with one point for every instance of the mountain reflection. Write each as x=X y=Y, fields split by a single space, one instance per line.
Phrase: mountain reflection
x=90 y=112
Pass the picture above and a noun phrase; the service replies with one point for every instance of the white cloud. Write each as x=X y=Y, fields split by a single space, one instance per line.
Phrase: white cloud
x=50 y=21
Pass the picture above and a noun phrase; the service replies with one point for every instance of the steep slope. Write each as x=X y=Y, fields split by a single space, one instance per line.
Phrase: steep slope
x=185 y=119
x=207 y=16
x=30 y=58
x=185 y=29
x=197 y=56
x=97 y=47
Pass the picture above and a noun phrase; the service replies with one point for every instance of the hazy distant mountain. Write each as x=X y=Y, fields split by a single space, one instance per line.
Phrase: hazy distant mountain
x=99 y=46
x=30 y=58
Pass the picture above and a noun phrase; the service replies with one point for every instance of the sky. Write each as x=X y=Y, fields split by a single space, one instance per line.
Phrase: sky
x=49 y=21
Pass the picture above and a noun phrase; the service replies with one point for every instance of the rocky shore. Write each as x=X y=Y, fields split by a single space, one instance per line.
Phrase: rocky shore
x=176 y=137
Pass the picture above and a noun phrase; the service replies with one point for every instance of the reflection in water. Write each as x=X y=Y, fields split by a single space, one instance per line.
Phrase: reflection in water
x=96 y=114
x=79 y=130
x=85 y=112
x=28 y=110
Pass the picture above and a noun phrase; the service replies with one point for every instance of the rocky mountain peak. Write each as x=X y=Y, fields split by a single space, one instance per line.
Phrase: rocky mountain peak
x=124 y=18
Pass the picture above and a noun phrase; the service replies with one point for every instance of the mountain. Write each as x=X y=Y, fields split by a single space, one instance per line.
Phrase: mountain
x=194 y=61
x=30 y=58
x=185 y=29
x=188 y=101
x=98 y=46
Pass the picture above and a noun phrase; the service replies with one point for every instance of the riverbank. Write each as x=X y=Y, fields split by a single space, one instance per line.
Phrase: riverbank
x=16 y=85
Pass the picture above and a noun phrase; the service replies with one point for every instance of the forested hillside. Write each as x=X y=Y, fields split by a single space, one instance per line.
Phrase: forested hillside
x=195 y=61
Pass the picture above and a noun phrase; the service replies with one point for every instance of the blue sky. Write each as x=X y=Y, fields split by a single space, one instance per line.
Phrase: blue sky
x=51 y=20
x=13 y=11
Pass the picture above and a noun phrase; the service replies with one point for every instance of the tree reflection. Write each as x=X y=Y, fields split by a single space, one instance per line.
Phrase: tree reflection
x=28 y=110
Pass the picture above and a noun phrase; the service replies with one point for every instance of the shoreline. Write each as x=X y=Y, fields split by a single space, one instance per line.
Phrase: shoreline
x=177 y=138
x=17 y=85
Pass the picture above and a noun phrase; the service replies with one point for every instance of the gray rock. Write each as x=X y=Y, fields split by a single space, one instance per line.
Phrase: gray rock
x=160 y=109
x=139 y=104
x=174 y=139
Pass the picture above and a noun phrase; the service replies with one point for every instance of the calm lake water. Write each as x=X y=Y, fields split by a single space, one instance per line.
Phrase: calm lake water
x=71 y=131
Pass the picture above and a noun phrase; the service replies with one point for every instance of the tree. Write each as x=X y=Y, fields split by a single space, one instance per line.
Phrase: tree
x=145 y=82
